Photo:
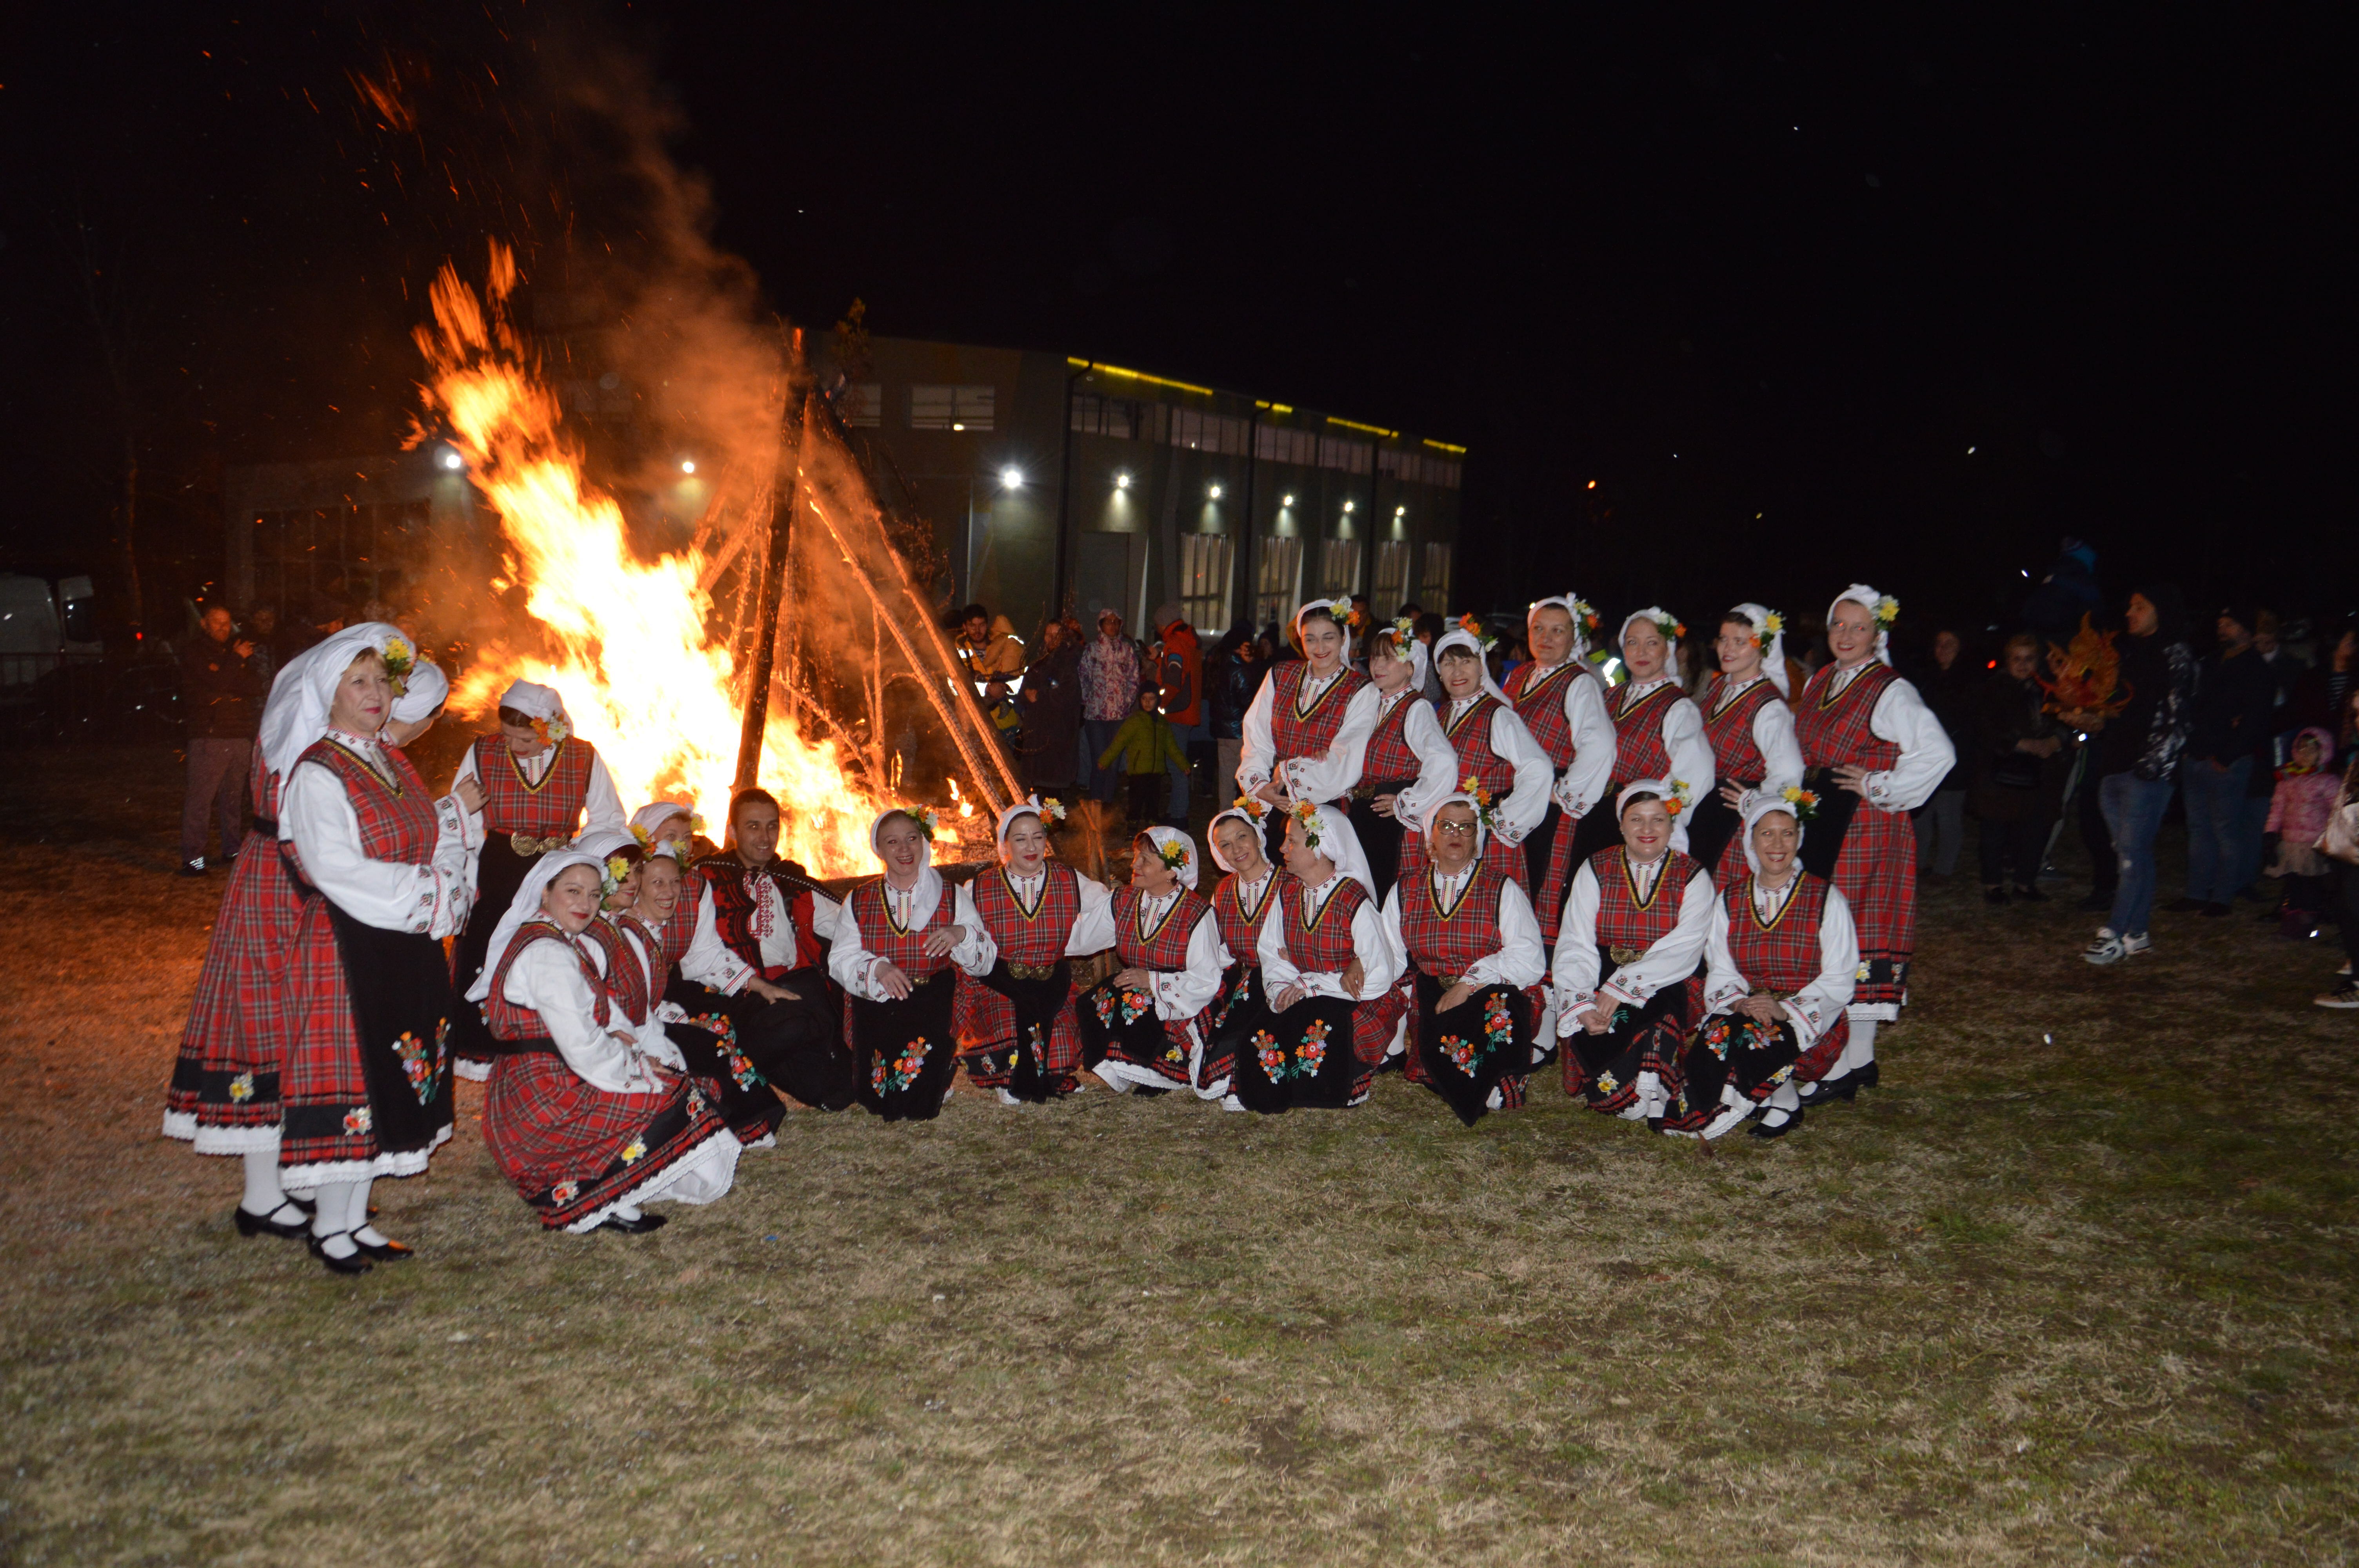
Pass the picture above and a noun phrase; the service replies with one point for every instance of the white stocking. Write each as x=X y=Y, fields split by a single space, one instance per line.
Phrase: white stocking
x=263 y=1196
x=1783 y=1103
x=328 y=1221
x=1860 y=1050
x=357 y=1219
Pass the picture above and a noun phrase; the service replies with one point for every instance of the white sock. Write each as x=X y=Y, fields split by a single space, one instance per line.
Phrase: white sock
x=328 y=1219
x=1783 y=1103
x=1860 y=1050
x=627 y=1211
x=263 y=1196
x=1650 y=1093
x=357 y=1219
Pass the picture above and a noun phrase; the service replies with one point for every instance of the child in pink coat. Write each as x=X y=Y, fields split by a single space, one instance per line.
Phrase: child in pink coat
x=2299 y=808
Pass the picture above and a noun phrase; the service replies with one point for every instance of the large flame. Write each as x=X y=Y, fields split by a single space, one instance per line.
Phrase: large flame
x=640 y=677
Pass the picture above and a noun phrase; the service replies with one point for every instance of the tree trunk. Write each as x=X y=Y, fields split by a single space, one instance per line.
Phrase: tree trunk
x=130 y=529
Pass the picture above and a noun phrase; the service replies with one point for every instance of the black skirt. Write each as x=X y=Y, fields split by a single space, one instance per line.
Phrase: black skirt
x=1380 y=836
x=1302 y=1057
x=1541 y=845
x=1242 y=1008
x=1824 y=843
x=1119 y=1023
x=1711 y=825
x=1730 y=1051
x=1465 y=1053
x=902 y=1052
x=796 y=1046
x=402 y=1005
x=1037 y=999
x=1642 y=1039
x=499 y=871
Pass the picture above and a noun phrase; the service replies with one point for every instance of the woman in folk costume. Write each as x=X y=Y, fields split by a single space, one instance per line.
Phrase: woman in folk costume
x=1561 y=701
x=1751 y=732
x=1013 y=1011
x=1329 y=968
x=591 y=1117
x=895 y=944
x=1498 y=760
x=1303 y=728
x=223 y=1097
x=1779 y=960
x=542 y=785
x=1142 y=1028
x=382 y=868
x=1874 y=753
x=1405 y=761
x=1241 y=904
x=1477 y=967
x=638 y=975
x=1658 y=732
x=673 y=823
x=1634 y=927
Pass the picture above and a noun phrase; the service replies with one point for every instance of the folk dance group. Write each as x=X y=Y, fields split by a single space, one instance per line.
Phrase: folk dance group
x=1703 y=912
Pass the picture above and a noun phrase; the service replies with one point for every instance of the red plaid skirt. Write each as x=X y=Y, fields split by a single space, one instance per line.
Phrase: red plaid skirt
x=226 y=1080
x=1877 y=874
x=322 y=1062
x=983 y=1020
x=573 y=1151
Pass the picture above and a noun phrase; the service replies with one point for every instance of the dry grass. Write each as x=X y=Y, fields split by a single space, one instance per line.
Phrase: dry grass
x=2030 y=1301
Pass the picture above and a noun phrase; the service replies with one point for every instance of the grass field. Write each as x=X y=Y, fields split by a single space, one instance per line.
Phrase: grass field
x=2075 y=1284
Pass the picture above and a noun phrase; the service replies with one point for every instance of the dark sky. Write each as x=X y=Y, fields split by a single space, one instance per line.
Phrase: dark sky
x=1795 y=265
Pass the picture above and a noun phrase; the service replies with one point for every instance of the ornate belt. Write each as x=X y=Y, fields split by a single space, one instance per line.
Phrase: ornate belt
x=1030 y=971
x=1622 y=954
x=526 y=845
x=1365 y=790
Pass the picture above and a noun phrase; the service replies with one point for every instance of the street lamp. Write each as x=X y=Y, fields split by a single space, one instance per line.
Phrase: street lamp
x=1011 y=478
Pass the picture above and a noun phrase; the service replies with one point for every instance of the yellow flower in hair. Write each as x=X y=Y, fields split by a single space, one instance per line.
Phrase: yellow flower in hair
x=1173 y=854
x=1772 y=624
x=696 y=822
x=642 y=835
x=1887 y=611
x=1253 y=806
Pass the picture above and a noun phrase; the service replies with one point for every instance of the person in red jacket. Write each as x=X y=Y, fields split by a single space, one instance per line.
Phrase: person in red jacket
x=1178 y=661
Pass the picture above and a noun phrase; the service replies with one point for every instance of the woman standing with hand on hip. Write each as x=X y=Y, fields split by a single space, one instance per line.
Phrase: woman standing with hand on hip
x=1751 y=732
x=1657 y=732
x=1304 y=726
x=1562 y=702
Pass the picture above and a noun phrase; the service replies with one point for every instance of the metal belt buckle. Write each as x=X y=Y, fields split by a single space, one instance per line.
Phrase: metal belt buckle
x=526 y=845
x=1622 y=954
x=1030 y=971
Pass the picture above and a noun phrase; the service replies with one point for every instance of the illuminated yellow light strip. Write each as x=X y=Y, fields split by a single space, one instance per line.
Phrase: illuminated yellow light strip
x=1355 y=424
x=1274 y=407
x=1259 y=403
x=1445 y=447
x=1142 y=375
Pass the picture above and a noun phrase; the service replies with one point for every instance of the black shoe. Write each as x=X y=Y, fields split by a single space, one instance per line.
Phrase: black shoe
x=639 y=1227
x=1994 y=895
x=1762 y=1129
x=385 y=1251
x=249 y=1224
x=2215 y=911
x=1864 y=1077
x=356 y=1264
x=2184 y=907
x=1843 y=1088
x=2097 y=903
x=311 y=1206
x=2031 y=895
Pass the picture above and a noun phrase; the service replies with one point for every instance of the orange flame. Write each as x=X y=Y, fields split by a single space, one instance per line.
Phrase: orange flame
x=634 y=663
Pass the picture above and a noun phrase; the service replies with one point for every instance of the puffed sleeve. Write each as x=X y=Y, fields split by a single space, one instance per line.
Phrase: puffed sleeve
x=603 y=804
x=1181 y=994
x=1925 y=754
x=1692 y=760
x=826 y=914
x=1389 y=918
x=1258 y=754
x=1816 y=1006
x=1093 y=932
x=546 y=978
x=467 y=770
x=1673 y=958
x=1277 y=970
x=317 y=817
x=1575 y=977
x=980 y=950
x=709 y=960
x=1521 y=960
x=1584 y=782
x=1437 y=771
x=1330 y=775
x=1781 y=754
x=1527 y=799
x=1379 y=956
x=849 y=961
x=1722 y=986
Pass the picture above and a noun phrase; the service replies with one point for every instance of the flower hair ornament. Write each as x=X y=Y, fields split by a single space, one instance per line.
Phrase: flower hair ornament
x=925 y=817
x=1802 y=803
x=1253 y=806
x=1307 y=812
x=1670 y=625
x=1887 y=611
x=1882 y=608
x=1486 y=811
x=399 y=657
x=552 y=730
x=614 y=872
x=1173 y=854
x=1473 y=626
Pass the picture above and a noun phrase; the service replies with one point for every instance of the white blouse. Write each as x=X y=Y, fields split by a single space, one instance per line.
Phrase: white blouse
x=1522 y=959
x=603 y=805
x=1093 y=929
x=1925 y=754
x=1322 y=779
x=1184 y=992
x=1379 y=961
x=1669 y=962
x=1436 y=774
x=547 y=978
x=1683 y=741
x=1527 y=798
x=711 y=961
x=1815 y=1006
x=1583 y=783
x=1773 y=737
x=855 y=967
x=317 y=817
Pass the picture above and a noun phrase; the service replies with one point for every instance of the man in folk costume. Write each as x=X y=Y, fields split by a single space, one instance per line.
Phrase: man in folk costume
x=1561 y=701
x=224 y=1092
x=1874 y=753
x=1499 y=763
x=1142 y=1028
x=1780 y=960
x=1303 y=728
x=758 y=954
x=1013 y=1012
x=1634 y=927
x=1751 y=732
x=542 y=785
x=1405 y=761
x=1477 y=967
x=382 y=868
x=896 y=944
x=1329 y=968
x=590 y=1117
x=1657 y=732
x=1241 y=906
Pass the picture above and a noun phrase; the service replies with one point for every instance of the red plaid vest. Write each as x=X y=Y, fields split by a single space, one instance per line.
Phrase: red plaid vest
x=1165 y=948
x=661 y=961
x=1622 y=921
x=1241 y=931
x=1638 y=748
x=1736 y=758
x=1326 y=948
x=1037 y=938
x=1834 y=734
x=1470 y=734
x=1293 y=734
x=904 y=950
x=549 y=809
x=1783 y=956
x=736 y=901
x=627 y=983
x=1389 y=759
x=1540 y=705
x=504 y=1018
x=677 y=933
x=1440 y=944
x=396 y=820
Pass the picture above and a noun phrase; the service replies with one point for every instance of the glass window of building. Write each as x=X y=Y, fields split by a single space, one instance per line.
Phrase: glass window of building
x=1205 y=581
x=1278 y=579
x=969 y=408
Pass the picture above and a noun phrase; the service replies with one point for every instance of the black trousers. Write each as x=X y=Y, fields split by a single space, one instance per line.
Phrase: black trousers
x=2016 y=844
x=2104 y=866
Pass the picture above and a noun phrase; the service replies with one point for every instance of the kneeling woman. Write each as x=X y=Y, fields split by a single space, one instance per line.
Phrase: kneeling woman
x=1241 y=906
x=1779 y=973
x=585 y=1114
x=1013 y=1011
x=1473 y=946
x=1632 y=931
x=894 y=945
x=1328 y=967
x=1141 y=1029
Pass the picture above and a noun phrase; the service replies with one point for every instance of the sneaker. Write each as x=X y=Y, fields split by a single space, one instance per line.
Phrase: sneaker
x=2344 y=995
x=2109 y=948
x=195 y=867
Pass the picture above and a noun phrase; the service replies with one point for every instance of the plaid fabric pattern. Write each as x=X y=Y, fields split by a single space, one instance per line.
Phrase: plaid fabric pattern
x=1165 y=951
x=1877 y=867
x=981 y=1017
x=1638 y=748
x=1470 y=735
x=677 y=934
x=905 y=950
x=1325 y=948
x=1446 y=945
x=1540 y=705
x=1622 y=922
x=1293 y=733
x=1389 y=756
x=659 y=959
x=1736 y=758
x=626 y=981
x=227 y=1073
x=737 y=903
x=573 y=1149
x=320 y=1066
x=1240 y=932
x=545 y=810
x=505 y=1020
x=1784 y=956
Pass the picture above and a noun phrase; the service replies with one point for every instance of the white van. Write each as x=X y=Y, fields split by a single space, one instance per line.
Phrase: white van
x=46 y=624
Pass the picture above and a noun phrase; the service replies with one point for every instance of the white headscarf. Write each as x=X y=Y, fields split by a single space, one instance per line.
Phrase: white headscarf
x=1459 y=637
x=1163 y=836
x=424 y=689
x=1773 y=643
x=1340 y=847
x=1482 y=828
x=526 y=906
x=1032 y=807
x=654 y=815
x=1859 y=593
x=1665 y=623
x=1411 y=651
x=1211 y=835
x=1759 y=806
x=1341 y=608
x=541 y=701
x=1656 y=786
x=297 y=713
x=927 y=876
x=1574 y=605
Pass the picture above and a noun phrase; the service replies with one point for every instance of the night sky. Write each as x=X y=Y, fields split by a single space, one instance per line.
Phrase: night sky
x=1795 y=265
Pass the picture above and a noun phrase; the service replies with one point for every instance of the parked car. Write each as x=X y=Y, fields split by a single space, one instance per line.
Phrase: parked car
x=51 y=657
